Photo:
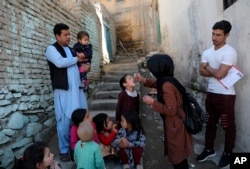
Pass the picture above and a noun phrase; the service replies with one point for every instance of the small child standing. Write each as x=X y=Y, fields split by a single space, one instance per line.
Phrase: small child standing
x=128 y=99
x=106 y=131
x=83 y=46
x=87 y=152
x=78 y=116
x=37 y=156
x=130 y=141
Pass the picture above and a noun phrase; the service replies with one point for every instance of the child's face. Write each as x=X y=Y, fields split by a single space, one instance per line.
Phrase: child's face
x=129 y=82
x=109 y=124
x=47 y=159
x=84 y=40
x=125 y=124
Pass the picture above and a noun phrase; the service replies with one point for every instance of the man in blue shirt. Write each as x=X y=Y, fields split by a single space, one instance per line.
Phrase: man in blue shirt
x=66 y=84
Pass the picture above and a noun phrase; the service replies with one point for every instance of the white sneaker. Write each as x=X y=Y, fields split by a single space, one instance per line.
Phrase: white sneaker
x=139 y=167
x=126 y=166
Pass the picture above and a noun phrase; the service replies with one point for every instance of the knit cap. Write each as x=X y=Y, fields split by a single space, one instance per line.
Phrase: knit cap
x=85 y=131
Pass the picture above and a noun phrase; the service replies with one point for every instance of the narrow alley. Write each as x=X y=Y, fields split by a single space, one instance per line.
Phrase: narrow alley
x=122 y=33
x=104 y=100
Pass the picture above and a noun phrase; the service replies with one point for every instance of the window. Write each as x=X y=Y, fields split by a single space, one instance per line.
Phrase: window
x=227 y=3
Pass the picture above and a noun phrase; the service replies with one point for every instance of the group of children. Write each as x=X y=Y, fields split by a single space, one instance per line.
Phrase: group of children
x=93 y=139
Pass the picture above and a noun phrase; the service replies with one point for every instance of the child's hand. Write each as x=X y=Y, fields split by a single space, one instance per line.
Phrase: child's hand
x=124 y=143
x=115 y=128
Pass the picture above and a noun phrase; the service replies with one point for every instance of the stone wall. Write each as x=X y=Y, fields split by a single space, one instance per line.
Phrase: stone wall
x=26 y=99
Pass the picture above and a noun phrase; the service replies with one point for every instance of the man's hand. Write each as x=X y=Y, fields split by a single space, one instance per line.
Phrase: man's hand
x=203 y=70
x=80 y=57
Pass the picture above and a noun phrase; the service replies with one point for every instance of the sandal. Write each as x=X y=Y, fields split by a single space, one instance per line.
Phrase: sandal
x=65 y=157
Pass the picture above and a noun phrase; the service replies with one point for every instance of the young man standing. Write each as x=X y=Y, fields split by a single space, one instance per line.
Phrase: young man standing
x=215 y=64
x=66 y=84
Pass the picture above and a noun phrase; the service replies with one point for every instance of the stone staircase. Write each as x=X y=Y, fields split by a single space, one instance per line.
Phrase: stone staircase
x=104 y=98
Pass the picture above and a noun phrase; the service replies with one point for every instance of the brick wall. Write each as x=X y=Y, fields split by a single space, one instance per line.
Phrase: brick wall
x=26 y=99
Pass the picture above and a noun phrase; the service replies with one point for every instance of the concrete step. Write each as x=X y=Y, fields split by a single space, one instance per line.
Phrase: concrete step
x=113 y=86
x=118 y=73
x=111 y=78
x=109 y=86
x=132 y=67
x=103 y=104
x=110 y=113
x=106 y=94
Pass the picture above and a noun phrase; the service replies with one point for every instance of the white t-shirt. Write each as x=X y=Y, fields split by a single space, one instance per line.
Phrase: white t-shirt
x=225 y=55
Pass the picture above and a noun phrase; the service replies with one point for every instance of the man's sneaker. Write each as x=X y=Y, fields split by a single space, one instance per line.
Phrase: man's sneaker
x=225 y=160
x=205 y=155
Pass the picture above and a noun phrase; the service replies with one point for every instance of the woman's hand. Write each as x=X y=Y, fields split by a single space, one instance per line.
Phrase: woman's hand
x=148 y=99
x=138 y=77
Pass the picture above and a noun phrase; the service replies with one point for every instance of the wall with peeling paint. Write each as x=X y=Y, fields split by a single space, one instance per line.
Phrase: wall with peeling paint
x=186 y=32
x=135 y=23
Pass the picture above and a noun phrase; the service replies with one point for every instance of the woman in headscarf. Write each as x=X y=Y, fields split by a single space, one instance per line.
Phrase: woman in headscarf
x=177 y=142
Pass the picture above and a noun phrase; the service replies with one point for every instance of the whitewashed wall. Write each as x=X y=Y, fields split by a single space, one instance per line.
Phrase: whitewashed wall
x=186 y=28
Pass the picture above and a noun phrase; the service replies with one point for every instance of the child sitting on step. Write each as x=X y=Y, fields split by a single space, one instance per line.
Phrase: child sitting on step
x=78 y=116
x=128 y=99
x=106 y=131
x=130 y=141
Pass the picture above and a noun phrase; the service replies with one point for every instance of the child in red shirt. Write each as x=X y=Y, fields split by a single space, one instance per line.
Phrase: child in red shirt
x=106 y=131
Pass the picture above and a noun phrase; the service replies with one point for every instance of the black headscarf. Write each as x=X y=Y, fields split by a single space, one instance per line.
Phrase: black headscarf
x=162 y=67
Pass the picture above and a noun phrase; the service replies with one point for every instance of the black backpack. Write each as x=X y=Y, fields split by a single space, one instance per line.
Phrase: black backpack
x=194 y=114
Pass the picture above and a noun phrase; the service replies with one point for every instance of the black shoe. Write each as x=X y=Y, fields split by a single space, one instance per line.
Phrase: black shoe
x=205 y=155
x=65 y=157
x=225 y=160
